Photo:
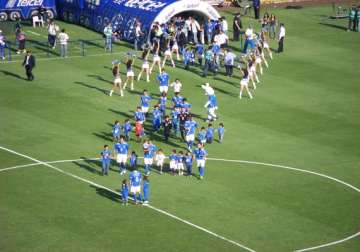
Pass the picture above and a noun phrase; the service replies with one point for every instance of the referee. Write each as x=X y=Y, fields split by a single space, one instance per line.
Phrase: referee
x=281 y=38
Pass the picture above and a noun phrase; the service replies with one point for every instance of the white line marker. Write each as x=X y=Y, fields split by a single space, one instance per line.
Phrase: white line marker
x=34 y=33
x=110 y=190
x=224 y=160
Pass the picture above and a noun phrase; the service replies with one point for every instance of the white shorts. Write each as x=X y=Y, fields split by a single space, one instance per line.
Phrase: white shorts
x=121 y=158
x=117 y=81
x=258 y=60
x=145 y=65
x=163 y=89
x=160 y=163
x=189 y=138
x=266 y=45
x=173 y=165
x=252 y=69
x=200 y=163
x=148 y=161
x=135 y=189
x=144 y=109
x=175 y=47
x=203 y=141
x=167 y=53
x=130 y=74
x=180 y=166
x=156 y=58
x=244 y=82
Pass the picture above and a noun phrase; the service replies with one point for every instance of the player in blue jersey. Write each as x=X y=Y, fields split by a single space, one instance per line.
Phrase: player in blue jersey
x=145 y=102
x=202 y=135
x=200 y=52
x=175 y=120
x=188 y=159
x=146 y=190
x=173 y=162
x=221 y=131
x=124 y=192
x=186 y=105
x=135 y=185
x=177 y=100
x=133 y=160
x=127 y=128
x=209 y=133
x=139 y=115
x=211 y=106
x=188 y=54
x=190 y=128
x=156 y=118
x=180 y=163
x=116 y=131
x=105 y=160
x=200 y=156
x=163 y=79
x=121 y=150
x=162 y=103
x=149 y=153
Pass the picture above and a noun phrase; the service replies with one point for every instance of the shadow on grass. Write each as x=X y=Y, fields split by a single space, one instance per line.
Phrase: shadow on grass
x=104 y=91
x=124 y=114
x=98 y=77
x=335 y=26
x=107 y=194
x=7 y=73
x=87 y=167
x=103 y=135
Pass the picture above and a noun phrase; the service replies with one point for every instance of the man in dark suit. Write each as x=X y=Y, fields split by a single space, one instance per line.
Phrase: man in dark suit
x=29 y=64
x=256 y=6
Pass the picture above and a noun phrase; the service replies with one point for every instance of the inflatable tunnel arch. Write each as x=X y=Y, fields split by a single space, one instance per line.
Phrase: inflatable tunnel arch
x=123 y=14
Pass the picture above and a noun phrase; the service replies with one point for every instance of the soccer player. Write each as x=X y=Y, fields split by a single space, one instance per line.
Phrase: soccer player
x=163 y=79
x=156 y=118
x=186 y=105
x=202 y=135
x=159 y=158
x=105 y=160
x=211 y=106
x=146 y=190
x=209 y=133
x=176 y=85
x=139 y=115
x=175 y=120
x=200 y=52
x=190 y=128
x=121 y=150
x=162 y=103
x=177 y=100
x=221 y=131
x=180 y=163
x=133 y=160
x=135 y=184
x=188 y=159
x=117 y=79
x=124 y=192
x=173 y=161
x=149 y=152
x=145 y=102
x=127 y=129
x=116 y=130
x=139 y=130
x=200 y=156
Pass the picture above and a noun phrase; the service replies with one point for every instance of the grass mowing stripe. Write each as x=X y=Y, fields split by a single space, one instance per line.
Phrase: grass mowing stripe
x=112 y=191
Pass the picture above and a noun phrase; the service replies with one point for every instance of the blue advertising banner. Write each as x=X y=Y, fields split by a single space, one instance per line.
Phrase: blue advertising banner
x=25 y=9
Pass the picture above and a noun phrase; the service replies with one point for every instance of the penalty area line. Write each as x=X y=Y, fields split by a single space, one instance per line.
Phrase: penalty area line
x=39 y=162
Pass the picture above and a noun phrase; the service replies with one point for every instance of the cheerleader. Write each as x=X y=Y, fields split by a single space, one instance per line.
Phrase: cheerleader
x=244 y=83
x=265 y=44
x=117 y=79
x=252 y=70
x=156 y=58
x=145 y=66
x=175 y=48
x=168 y=54
x=262 y=55
x=129 y=73
x=159 y=158
x=259 y=59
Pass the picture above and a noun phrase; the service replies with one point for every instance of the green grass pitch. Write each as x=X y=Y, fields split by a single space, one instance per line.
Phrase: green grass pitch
x=306 y=114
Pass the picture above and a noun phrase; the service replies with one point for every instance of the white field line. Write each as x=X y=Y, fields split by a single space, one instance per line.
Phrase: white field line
x=233 y=161
x=18 y=166
x=69 y=57
x=110 y=190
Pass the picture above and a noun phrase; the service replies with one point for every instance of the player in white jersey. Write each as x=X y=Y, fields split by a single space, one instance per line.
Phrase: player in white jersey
x=159 y=158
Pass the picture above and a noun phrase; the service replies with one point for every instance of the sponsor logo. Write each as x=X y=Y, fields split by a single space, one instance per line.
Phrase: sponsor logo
x=29 y=3
x=148 y=5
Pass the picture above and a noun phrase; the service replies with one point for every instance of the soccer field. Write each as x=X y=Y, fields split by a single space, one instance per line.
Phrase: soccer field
x=285 y=178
